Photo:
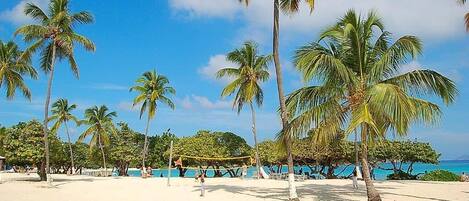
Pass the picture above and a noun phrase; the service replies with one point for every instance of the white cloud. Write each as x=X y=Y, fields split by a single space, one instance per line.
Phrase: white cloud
x=216 y=63
x=16 y=14
x=128 y=106
x=430 y=20
x=198 y=8
x=186 y=103
x=205 y=103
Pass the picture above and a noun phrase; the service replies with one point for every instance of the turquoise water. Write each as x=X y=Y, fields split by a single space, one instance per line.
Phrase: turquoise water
x=453 y=166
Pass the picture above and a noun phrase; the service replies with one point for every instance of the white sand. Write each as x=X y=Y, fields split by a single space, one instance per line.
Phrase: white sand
x=83 y=188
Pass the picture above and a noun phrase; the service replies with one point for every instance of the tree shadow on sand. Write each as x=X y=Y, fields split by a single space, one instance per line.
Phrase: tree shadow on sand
x=312 y=191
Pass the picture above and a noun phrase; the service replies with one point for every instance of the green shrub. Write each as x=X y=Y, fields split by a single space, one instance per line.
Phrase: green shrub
x=440 y=175
x=401 y=175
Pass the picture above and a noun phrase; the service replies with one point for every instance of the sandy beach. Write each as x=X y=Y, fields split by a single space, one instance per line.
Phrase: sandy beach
x=80 y=188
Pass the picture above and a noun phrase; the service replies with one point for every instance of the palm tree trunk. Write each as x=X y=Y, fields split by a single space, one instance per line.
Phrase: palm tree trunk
x=258 y=161
x=356 y=151
x=70 y=147
x=102 y=152
x=283 y=108
x=371 y=192
x=46 y=114
x=145 y=144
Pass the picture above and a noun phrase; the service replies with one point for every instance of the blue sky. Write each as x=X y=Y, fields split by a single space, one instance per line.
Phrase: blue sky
x=186 y=40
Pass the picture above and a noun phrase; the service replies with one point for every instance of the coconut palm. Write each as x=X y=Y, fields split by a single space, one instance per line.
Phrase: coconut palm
x=251 y=71
x=100 y=127
x=466 y=17
x=288 y=7
x=62 y=114
x=12 y=69
x=362 y=87
x=54 y=36
x=152 y=88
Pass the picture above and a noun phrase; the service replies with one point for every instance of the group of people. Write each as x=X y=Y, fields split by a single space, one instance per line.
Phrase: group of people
x=146 y=172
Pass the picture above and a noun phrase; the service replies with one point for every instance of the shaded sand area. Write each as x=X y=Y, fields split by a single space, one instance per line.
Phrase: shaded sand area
x=84 y=188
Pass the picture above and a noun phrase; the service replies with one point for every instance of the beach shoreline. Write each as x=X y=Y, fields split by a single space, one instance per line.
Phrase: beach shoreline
x=78 y=188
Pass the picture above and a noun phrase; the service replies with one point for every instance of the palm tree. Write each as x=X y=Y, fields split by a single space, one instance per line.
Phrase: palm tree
x=100 y=127
x=251 y=72
x=289 y=7
x=12 y=68
x=358 y=67
x=61 y=113
x=55 y=38
x=466 y=17
x=152 y=88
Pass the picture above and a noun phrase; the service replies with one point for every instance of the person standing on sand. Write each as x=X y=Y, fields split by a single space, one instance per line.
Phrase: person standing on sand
x=354 y=178
x=244 y=173
x=201 y=178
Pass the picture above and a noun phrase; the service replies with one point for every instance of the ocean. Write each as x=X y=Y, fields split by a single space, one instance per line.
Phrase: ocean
x=455 y=166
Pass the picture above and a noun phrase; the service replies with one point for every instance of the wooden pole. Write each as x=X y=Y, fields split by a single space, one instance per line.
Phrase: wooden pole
x=170 y=160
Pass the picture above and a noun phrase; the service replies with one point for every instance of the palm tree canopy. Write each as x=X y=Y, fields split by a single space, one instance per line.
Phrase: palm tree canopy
x=99 y=120
x=152 y=88
x=61 y=113
x=251 y=71
x=12 y=69
x=361 y=82
x=55 y=28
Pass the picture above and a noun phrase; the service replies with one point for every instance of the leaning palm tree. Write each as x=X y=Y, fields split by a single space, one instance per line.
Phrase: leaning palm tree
x=251 y=71
x=100 y=128
x=54 y=36
x=361 y=86
x=466 y=17
x=12 y=69
x=288 y=7
x=152 y=88
x=61 y=114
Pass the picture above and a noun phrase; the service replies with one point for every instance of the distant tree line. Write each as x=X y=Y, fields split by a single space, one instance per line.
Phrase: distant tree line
x=22 y=145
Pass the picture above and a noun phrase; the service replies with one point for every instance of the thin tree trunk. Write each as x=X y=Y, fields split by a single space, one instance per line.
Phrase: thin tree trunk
x=283 y=109
x=46 y=114
x=145 y=145
x=102 y=152
x=258 y=161
x=371 y=192
x=70 y=147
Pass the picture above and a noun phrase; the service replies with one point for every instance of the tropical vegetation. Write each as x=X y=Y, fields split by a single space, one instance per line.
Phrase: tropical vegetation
x=61 y=114
x=100 y=127
x=247 y=77
x=440 y=175
x=55 y=37
x=12 y=69
x=289 y=7
x=361 y=86
x=354 y=84
x=152 y=88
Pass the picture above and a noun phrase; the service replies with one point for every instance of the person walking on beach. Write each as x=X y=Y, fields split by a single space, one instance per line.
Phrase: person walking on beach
x=201 y=178
x=244 y=173
x=354 y=178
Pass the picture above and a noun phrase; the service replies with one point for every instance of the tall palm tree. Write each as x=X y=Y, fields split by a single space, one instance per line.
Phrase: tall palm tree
x=12 y=69
x=289 y=7
x=251 y=71
x=152 y=88
x=100 y=128
x=466 y=17
x=54 y=36
x=61 y=114
x=362 y=88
